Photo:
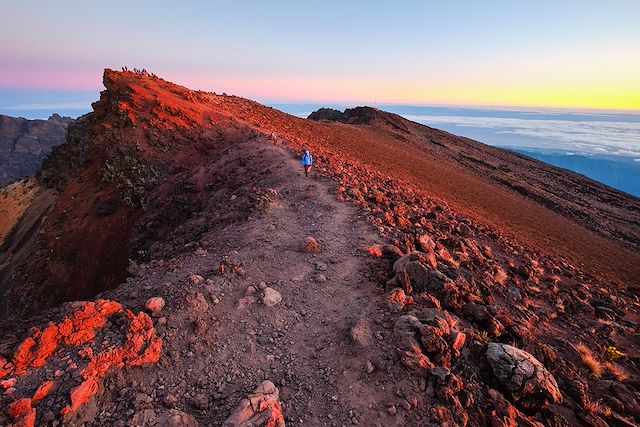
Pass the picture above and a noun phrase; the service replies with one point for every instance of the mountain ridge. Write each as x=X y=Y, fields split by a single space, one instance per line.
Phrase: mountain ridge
x=381 y=288
x=25 y=143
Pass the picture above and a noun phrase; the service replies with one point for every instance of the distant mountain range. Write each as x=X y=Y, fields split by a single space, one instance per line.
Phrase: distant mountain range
x=25 y=143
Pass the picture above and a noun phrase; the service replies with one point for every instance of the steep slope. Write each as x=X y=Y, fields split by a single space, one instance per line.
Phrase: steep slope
x=25 y=143
x=359 y=293
x=599 y=208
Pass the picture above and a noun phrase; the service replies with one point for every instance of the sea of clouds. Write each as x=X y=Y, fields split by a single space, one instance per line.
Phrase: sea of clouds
x=603 y=137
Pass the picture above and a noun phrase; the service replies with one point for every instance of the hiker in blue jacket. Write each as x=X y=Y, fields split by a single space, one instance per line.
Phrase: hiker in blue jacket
x=307 y=162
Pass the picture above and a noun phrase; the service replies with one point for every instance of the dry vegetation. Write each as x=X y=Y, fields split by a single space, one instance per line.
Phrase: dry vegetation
x=615 y=370
x=590 y=361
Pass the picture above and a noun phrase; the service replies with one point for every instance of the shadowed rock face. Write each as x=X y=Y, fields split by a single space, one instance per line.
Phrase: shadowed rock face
x=25 y=143
x=361 y=116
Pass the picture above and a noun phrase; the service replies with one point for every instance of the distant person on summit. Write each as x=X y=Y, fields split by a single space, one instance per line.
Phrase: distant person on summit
x=307 y=162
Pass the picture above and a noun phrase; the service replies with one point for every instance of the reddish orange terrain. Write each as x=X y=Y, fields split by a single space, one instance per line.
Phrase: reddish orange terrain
x=416 y=278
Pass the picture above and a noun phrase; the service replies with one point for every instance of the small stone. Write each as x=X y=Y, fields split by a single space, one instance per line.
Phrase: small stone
x=430 y=391
x=200 y=326
x=334 y=398
x=196 y=279
x=310 y=246
x=246 y=302
x=464 y=229
x=321 y=266
x=48 y=416
x=392 y=410
x=142 y=399
x=170 y=400
x=262 y=286
x=175 y=418
x=251 y=290
x=440 y=372
x=369 y=367
x=271 y=297
x=200 y=401
x=406 y=405
x=458 y=339
x=155 y=304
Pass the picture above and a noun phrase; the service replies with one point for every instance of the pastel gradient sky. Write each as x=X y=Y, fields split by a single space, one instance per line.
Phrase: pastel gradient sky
x=568 y=54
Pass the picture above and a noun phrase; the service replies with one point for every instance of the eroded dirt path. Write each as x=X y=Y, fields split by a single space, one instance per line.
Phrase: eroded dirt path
x=323 y=345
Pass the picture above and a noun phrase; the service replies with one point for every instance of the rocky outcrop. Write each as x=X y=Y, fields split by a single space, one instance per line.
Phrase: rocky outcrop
x=421 y=272
x=360 y=116
x=66 y=362
x=25 y=143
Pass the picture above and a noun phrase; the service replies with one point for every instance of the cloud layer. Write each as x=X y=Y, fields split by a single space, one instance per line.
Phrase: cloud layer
x=587 y=137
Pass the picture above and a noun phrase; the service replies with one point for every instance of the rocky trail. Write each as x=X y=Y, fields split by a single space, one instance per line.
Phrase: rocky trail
x=291 y=296
x=311 y=332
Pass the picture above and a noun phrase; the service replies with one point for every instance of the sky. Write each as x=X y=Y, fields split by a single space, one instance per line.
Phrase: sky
x=581 y=54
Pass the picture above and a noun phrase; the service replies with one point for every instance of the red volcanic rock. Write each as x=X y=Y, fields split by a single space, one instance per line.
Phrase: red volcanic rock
x=75 y=330
x=262 y=408
x=140 y=346
x=426 y=243
x=310 y=246
x=155 y=304
x=375 y=251
x=43 y=391
x=397 y=299
x=8 y=383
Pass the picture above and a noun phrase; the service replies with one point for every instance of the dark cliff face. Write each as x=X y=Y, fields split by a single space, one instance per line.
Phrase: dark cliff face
x=24 y=144
x=354 y=116
x=361 y=116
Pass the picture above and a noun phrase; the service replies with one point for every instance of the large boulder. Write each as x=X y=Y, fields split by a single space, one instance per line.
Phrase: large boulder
x=523 y=376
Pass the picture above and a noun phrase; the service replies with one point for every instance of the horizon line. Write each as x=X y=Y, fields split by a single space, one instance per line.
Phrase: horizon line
x=520 y=108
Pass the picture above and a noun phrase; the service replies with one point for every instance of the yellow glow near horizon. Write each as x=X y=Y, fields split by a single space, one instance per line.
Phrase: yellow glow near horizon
x=578 y=95
x=513 y=96
x=597 y=79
